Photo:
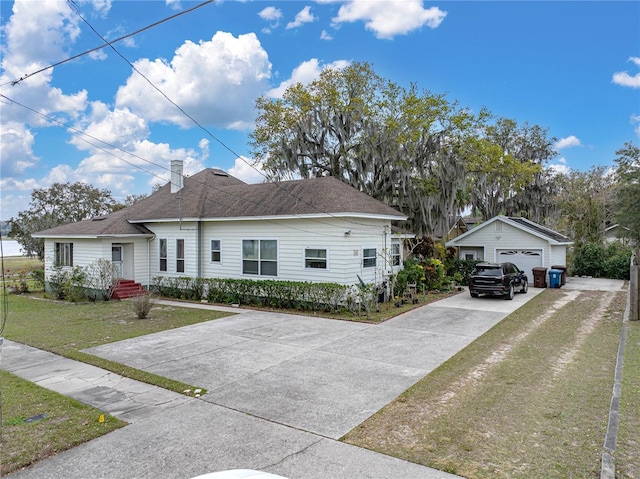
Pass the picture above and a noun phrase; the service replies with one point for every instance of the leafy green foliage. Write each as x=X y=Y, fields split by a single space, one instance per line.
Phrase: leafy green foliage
x=270 y=293
x=59 y=204
x=67 y=283
x=602 y=261
x=628 y=193
x=585 y=201
x=402 y=146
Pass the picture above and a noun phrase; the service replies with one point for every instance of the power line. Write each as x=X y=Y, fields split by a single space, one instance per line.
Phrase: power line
x=195 y=122
x=83 y=136
x=107 y=43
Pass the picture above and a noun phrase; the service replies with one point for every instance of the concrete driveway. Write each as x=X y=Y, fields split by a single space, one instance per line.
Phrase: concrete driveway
x=281 y=390
x=314 y=374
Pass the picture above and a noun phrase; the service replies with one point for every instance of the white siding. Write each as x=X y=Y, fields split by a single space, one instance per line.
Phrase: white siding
x=344 y=250
x=509 y=237
x=558 y=255
x=89 y=250
x=85 y=252
x=171 y=232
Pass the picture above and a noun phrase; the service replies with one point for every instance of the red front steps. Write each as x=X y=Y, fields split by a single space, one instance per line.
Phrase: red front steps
x=127 y=288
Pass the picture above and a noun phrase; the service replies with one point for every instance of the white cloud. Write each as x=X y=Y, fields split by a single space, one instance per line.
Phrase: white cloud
x=568 y=142
x=270 y=14
x=389 y=18
x=119 y=127
x=174 y=4
x=215 y=81
x=636 y=119
x=625 y=79
x=305 y=73
x=17 y=149
x=325 y=35
x=243 y=170
x=560 y=169
x=303 y=16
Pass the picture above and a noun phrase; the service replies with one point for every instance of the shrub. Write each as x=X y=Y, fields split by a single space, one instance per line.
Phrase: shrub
x=102 y=276
x=617 y=265
x=142 y=305
x=272 y=293
x=412 y=272
x=460 y=269
x=38 y=278
x=600 y=261
x=589 y=260
x=433 y=274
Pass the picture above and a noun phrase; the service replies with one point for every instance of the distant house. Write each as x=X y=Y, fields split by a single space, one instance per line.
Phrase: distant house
x=516 y=240
x=616 y=233
x=462 y=225
x=214 y=225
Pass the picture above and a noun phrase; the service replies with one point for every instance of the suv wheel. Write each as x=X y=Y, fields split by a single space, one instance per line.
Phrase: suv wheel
x=510 y=293
x=525 y=287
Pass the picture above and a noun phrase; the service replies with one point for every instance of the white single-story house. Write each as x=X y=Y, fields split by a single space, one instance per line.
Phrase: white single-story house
x=213 y=225
x=516 y=240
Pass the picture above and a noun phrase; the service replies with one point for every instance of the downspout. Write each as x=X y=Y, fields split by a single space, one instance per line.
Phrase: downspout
x=199 y=248
x=149 y=261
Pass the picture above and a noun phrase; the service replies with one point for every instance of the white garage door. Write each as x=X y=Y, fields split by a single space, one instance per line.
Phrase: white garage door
x=525 y=259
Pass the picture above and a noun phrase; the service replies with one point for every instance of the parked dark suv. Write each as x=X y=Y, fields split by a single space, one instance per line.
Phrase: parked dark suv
x=498 y=279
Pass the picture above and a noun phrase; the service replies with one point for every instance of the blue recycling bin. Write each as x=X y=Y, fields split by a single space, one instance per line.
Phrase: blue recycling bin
x=555 y=278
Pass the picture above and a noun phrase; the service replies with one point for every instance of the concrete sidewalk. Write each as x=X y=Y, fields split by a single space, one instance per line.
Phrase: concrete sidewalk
x=121 y=397
x=281 y=390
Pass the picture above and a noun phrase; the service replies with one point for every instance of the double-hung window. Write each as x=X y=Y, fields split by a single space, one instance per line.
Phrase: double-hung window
x=215 y=251
x=368 y=257
x=260 y=257
x=395 y=254
x=163 y=254
x=63 y=254
x=179 y=256
x=315 y=258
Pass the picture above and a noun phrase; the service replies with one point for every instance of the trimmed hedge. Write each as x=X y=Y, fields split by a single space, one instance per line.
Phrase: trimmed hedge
x=299 y=295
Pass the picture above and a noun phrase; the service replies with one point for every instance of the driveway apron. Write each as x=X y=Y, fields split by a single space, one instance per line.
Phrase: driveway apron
x=315 y=374
x=281 y=389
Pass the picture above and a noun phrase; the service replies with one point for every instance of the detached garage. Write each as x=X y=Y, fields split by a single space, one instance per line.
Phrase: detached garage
x=517 y=240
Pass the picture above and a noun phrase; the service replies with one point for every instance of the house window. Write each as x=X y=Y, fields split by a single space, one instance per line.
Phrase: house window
x=469 y=255
x=368 y=257
x=63 y=254
x=260 y=257
x=315 y=258
x=395 y=254
x=163 y=254
x=179 y=256
x=215 y=251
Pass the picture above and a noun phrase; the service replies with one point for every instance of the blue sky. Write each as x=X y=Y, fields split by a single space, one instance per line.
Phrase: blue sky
x=570 y=67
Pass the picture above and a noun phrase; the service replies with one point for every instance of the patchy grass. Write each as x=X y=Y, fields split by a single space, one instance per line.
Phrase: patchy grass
x=16 y=264
x=530 y=398
x=37 y=423
x=18 y=269
x=626 y=455
x=67 y=328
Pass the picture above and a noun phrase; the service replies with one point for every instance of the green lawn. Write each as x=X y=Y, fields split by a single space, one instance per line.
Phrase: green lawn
x=530 y=398
x=37 y=423
x=67 y=328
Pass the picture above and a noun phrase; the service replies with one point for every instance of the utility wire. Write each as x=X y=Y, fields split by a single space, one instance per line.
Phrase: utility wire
x=83 y=136
x=198 y=124
x=107 y=43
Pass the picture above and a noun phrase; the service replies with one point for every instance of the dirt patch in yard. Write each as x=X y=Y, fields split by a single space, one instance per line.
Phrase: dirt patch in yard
x=528 y=399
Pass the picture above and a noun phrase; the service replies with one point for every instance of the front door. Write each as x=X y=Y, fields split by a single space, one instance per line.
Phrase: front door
x=116 y=258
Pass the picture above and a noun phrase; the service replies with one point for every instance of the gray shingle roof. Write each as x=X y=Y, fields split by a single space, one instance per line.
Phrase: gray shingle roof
x=554 y=235
x=212 y=193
